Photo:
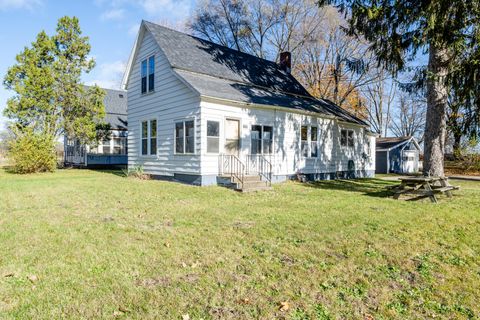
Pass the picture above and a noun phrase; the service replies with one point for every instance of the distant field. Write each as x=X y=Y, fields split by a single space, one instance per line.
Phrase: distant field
x=79 y=244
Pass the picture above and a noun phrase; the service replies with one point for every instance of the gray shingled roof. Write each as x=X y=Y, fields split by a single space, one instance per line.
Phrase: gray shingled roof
x=387 y=143
x=116 y=108
x=220 y=72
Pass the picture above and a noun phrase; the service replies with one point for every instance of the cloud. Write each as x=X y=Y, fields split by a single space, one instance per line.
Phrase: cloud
x=108 y=75
x=113 y=14
x=175 y=9
x=20 y=4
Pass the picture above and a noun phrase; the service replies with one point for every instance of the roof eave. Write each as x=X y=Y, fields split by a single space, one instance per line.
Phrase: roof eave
x=212 y=99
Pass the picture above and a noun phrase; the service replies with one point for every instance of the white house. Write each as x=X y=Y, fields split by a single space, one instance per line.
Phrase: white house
x=198 y=112
x=111 y=152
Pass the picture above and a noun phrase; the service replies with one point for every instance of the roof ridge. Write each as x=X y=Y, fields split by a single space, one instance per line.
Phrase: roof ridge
x=214 y=43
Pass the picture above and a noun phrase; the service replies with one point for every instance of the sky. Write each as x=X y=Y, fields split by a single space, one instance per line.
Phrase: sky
x=110 y=25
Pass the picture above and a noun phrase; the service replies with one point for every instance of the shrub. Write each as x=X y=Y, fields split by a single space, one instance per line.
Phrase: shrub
x=33 y=152
x=136 y=172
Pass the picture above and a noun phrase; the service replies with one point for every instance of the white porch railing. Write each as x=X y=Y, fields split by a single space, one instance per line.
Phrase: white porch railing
x=252 y=164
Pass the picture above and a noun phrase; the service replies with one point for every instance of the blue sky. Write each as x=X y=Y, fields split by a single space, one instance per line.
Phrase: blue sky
x=111 y=26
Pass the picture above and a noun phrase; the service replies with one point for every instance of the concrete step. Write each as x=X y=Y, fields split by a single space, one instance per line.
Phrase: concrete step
x=254 y=184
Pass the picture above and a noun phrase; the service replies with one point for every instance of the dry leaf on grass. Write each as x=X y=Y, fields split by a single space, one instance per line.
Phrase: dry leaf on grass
x=33 y=278
x=123 y=309
x=9 y=274
x=185 y=317
x=284 y=306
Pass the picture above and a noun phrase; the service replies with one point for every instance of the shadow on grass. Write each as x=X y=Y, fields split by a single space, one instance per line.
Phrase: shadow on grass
x=115 y=172
x=369 y=187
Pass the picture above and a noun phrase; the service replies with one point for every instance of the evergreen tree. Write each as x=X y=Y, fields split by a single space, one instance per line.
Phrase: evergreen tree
x=50 y=99
x=448 y=31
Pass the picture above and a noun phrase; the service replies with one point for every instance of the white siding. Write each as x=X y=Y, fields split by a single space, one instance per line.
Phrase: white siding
x=171 y=101
x=287 y=158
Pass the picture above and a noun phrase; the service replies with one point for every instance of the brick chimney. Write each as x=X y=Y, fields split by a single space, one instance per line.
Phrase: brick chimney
x=286 y=61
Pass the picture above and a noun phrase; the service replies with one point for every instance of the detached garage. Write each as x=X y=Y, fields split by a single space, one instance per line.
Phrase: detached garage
x=397 y=155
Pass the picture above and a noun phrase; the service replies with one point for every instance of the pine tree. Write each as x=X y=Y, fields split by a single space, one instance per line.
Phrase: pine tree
x=449 y=31
x=50 y=100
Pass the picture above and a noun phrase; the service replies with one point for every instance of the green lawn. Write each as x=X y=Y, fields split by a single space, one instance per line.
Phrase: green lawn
x=98 y=245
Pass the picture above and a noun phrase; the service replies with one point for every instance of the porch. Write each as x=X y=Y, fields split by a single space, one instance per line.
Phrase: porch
x=251 y=172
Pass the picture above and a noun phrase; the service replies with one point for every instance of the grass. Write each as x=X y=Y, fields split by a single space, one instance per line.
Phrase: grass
x=84 y=244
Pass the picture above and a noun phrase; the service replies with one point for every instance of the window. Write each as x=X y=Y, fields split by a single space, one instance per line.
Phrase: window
x=120 y=145
x=153 y=137
x=149 y=137
x=304 y=140
x=350 y=138
x=148 y=69
x=144 y=137
x=256 y=141
x=267 y=140
x=313 y=142
x=106 y=146
x=346 y=138
x=144 y=76
x=185 y=137
x=213 y=136
x=309 y=141
x=261 y=139
x=151 y=74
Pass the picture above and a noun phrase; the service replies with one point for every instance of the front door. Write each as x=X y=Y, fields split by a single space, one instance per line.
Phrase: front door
x=232 y=137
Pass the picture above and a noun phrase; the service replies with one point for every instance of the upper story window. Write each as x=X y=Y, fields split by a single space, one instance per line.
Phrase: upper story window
x=148 y=74
x=261 y=139
x=185 y=137
x=149 y=137
x=346 y=138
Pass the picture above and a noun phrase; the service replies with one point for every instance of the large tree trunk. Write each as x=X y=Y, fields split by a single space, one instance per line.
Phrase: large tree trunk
x=435 y=124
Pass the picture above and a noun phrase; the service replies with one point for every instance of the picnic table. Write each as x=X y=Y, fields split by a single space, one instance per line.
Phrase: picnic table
x=423 y=187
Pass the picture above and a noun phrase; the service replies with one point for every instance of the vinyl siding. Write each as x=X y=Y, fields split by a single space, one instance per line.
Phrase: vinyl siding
x=171 y=101
x=287 y=158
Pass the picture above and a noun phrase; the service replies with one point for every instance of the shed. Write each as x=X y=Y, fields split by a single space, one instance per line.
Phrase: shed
x=397 y=155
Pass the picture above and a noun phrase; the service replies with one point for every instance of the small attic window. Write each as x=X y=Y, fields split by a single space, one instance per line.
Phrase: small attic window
x=120 y=96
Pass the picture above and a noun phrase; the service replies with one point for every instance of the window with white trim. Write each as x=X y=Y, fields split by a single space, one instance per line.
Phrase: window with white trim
x=213 y=136
x=149 y=137
x=304 y=140
x=347 y=138
x=313 y=142
x=148 y=75
x=309 y=141
x=106 y=146
x=185 y=137
x=261 y=139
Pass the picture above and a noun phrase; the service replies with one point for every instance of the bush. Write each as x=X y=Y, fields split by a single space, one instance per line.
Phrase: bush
x=136 y=172
x=32 y=152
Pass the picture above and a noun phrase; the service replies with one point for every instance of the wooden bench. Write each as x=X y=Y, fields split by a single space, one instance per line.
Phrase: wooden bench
x=423 y=187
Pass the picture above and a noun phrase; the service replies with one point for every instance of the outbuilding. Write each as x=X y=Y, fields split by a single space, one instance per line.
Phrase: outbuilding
x=397 y=155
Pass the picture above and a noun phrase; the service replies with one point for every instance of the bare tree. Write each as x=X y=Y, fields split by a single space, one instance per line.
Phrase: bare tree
x=379 y=101
x=263 y=28
x=409 y=118
x=329 y=63
x=335 y=66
